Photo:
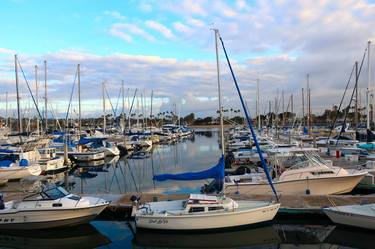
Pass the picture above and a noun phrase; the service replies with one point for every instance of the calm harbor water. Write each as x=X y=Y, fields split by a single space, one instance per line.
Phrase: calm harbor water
x=109 y=234
x=135 y=175
x=126 y=175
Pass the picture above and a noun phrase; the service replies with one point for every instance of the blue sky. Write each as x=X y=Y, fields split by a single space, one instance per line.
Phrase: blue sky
x=38 y=27
x=168 y=47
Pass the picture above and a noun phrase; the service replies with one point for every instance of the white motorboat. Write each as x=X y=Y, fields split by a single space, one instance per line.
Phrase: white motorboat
x=110 y=149
x=87 y=155
x=18 y=170
x=51 y=207
x=203 y=212
x=49 y=162
x=362 y=216
x=312 y=175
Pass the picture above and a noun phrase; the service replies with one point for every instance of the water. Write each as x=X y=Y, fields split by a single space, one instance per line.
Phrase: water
x=135 y=175
x=109 y=234
x=131 y=175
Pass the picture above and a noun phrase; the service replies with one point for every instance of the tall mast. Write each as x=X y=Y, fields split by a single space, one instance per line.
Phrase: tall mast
x=283 y=103
x=151 y=117
x=356 y=96
x=292 y=106
x=303 y=107
x=79 y=98
x=6 y=109
x=45 y=97
x=308 y=102
x=104 y=117
x=123 y=108
x=369 y=86
x=258 y=101
x=219 y=91
x=18 y=95
x=37 y=98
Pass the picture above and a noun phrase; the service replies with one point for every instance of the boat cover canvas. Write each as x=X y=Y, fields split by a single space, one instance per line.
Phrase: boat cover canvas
x=215 y=172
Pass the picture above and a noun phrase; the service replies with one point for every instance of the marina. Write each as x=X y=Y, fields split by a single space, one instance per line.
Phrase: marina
x=191 y=124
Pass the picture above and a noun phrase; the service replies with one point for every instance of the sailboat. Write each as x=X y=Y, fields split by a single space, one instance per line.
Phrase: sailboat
x=204 y=212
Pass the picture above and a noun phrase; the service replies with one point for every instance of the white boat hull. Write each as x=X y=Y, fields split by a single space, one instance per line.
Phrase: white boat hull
x=113 y=151
x=343 y=217
x=51 y=165
x=41 y=219
x=317 y=186
x=87 y=156
x=19 y=172
x=213 y=221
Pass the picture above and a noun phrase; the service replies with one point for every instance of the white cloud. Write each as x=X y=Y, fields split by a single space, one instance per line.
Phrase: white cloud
x=125 y=30
x=160 y=28
x=7 y=51
x=145 y=7
x=114 y=14
x=180 y=27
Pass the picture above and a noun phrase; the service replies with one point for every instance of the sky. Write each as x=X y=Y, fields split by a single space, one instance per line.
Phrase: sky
x=168 y=47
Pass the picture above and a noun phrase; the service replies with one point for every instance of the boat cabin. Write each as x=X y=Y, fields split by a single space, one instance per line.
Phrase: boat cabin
x=198 y=203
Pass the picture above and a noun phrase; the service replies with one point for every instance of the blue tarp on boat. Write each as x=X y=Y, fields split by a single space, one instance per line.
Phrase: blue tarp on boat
x=216 y=172
x=368 y=146
x=5 y=163
x=85 y=140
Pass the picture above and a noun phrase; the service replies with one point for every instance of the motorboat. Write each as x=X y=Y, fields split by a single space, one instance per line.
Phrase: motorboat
x=49 y=161
x=10 y=170
x=362 y=216
x=51 y=207
x=203 y=212
x=309 y=175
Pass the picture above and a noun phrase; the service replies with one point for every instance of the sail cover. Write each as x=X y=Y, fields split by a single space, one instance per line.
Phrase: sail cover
x=215 y=172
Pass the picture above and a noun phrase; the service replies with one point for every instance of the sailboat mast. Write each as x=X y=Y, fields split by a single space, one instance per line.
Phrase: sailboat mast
x=219 y=92
x=151 y=117
x=6 y=109
x=303 y=108
x=369 y=85
x=79 y=98
x=104 y=117
x=18 y=95
x=258 y=101
x=123 y=108
x=37 y=98
x=308 y=103
x=45 y=97
x=356 y=96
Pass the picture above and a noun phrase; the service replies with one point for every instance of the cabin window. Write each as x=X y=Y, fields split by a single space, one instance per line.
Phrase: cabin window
x=196 y=209
x=215 y=208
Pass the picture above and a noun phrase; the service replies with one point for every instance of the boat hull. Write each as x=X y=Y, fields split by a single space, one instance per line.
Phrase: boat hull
x=350 y=219
x=204 y=222
x=317 y=186
x=17 y=172
x=87 y=156
x=42 y=219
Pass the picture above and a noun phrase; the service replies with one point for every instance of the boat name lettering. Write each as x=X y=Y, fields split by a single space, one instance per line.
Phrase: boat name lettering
x=157 y=221
x=7 y=220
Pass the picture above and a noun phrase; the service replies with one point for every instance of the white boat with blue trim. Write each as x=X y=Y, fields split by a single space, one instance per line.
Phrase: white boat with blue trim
x=51 y=207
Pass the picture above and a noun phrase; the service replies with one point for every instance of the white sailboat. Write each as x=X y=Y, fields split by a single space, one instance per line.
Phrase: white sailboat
x=203 y=211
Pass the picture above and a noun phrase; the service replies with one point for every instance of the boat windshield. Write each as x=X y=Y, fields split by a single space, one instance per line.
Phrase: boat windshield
x=48 y=194
x=301 y=160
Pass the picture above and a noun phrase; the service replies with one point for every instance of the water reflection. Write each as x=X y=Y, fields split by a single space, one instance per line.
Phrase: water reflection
x=84 y=236
x=271 y=236
x=135 y=173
